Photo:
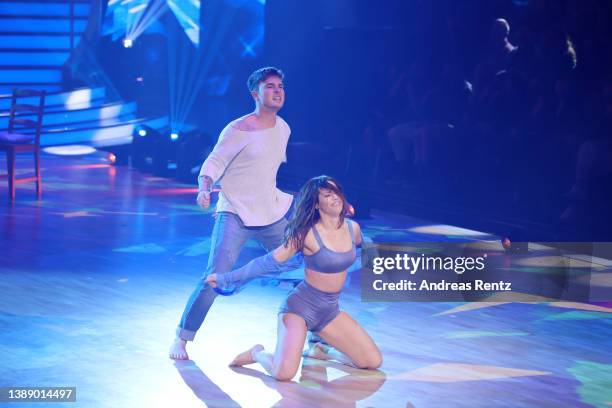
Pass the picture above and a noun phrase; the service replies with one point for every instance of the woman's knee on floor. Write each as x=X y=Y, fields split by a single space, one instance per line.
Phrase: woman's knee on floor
x=285 y=371
x=370 y=361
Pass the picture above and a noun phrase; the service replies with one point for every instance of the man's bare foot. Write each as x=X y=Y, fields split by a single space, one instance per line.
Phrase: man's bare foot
x=246 y=357
x=178 y=350
x=319 y=351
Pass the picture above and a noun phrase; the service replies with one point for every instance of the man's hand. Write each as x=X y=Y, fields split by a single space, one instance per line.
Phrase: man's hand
x=203 y=199
x=212 y=280
x=205 y=185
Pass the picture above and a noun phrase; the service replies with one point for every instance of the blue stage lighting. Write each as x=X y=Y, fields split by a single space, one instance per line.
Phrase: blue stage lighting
x=174 y=136
x=127 y=43
x=142 y=132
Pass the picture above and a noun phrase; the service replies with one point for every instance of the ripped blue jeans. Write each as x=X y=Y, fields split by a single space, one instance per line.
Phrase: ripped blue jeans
x=228 y=237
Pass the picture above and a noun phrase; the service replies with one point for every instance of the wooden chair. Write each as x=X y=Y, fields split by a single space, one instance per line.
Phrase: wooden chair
x=23 y=135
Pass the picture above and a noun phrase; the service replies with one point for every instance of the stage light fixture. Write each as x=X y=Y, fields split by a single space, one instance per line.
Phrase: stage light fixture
x=143 y=146
x=128 y=43
x=174 y=136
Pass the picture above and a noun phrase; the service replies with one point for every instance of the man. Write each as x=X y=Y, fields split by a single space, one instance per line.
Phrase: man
x=245 y=161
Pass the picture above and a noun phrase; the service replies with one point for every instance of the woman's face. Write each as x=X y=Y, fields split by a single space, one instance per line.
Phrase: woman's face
x=330 y=202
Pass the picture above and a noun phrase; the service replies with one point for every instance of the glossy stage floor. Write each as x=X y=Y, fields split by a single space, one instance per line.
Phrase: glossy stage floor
x=95 y=276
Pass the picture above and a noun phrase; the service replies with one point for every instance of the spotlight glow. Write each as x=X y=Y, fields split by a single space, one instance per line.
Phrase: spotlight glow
x=174 y=136
x=69 y=150
x=127 y=43
x=448 y=230
x=142 y=132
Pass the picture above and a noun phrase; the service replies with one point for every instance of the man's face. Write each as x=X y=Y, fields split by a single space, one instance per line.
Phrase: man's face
x=270 y=93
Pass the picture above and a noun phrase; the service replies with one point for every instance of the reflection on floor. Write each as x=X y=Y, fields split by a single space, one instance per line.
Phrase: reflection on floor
x=95 y=276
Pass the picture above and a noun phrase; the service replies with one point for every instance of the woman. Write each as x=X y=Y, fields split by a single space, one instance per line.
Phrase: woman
x=328 y=242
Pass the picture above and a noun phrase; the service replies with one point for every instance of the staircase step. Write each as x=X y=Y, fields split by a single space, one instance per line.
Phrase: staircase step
x=38 y=8
x=41 y=76
x=25 y=41
x=88 y=2
x=88 y=124
x=40 y=26
x=40 y=17
x=34 y=50
x=28 y=69
x=53 y=118
x=8 y=88
x=101 y=136
x=68 y=100
x=31 y=34
x=33 y=58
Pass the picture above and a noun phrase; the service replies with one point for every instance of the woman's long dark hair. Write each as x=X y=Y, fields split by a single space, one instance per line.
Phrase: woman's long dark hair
x=305 y=214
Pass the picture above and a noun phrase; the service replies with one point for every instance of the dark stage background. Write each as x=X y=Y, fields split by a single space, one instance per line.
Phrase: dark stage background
x=494 y=115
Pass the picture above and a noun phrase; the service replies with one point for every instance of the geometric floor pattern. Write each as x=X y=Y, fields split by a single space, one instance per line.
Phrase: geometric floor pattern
x=94 y=277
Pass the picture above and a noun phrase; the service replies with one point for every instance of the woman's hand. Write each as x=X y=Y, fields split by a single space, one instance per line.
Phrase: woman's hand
x=212 y=280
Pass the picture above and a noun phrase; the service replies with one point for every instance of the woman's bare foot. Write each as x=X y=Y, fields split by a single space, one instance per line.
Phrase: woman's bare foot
x=246 y=357
x=319 y=351
x=178 y=350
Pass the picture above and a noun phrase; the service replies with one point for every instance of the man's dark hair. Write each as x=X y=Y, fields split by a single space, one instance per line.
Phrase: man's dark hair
x=261 y=75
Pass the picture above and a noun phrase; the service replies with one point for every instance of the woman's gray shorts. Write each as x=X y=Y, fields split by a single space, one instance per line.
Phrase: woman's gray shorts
x=316 y=307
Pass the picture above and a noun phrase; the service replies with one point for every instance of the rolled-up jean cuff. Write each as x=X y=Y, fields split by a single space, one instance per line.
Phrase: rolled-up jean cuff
x=186 y=335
